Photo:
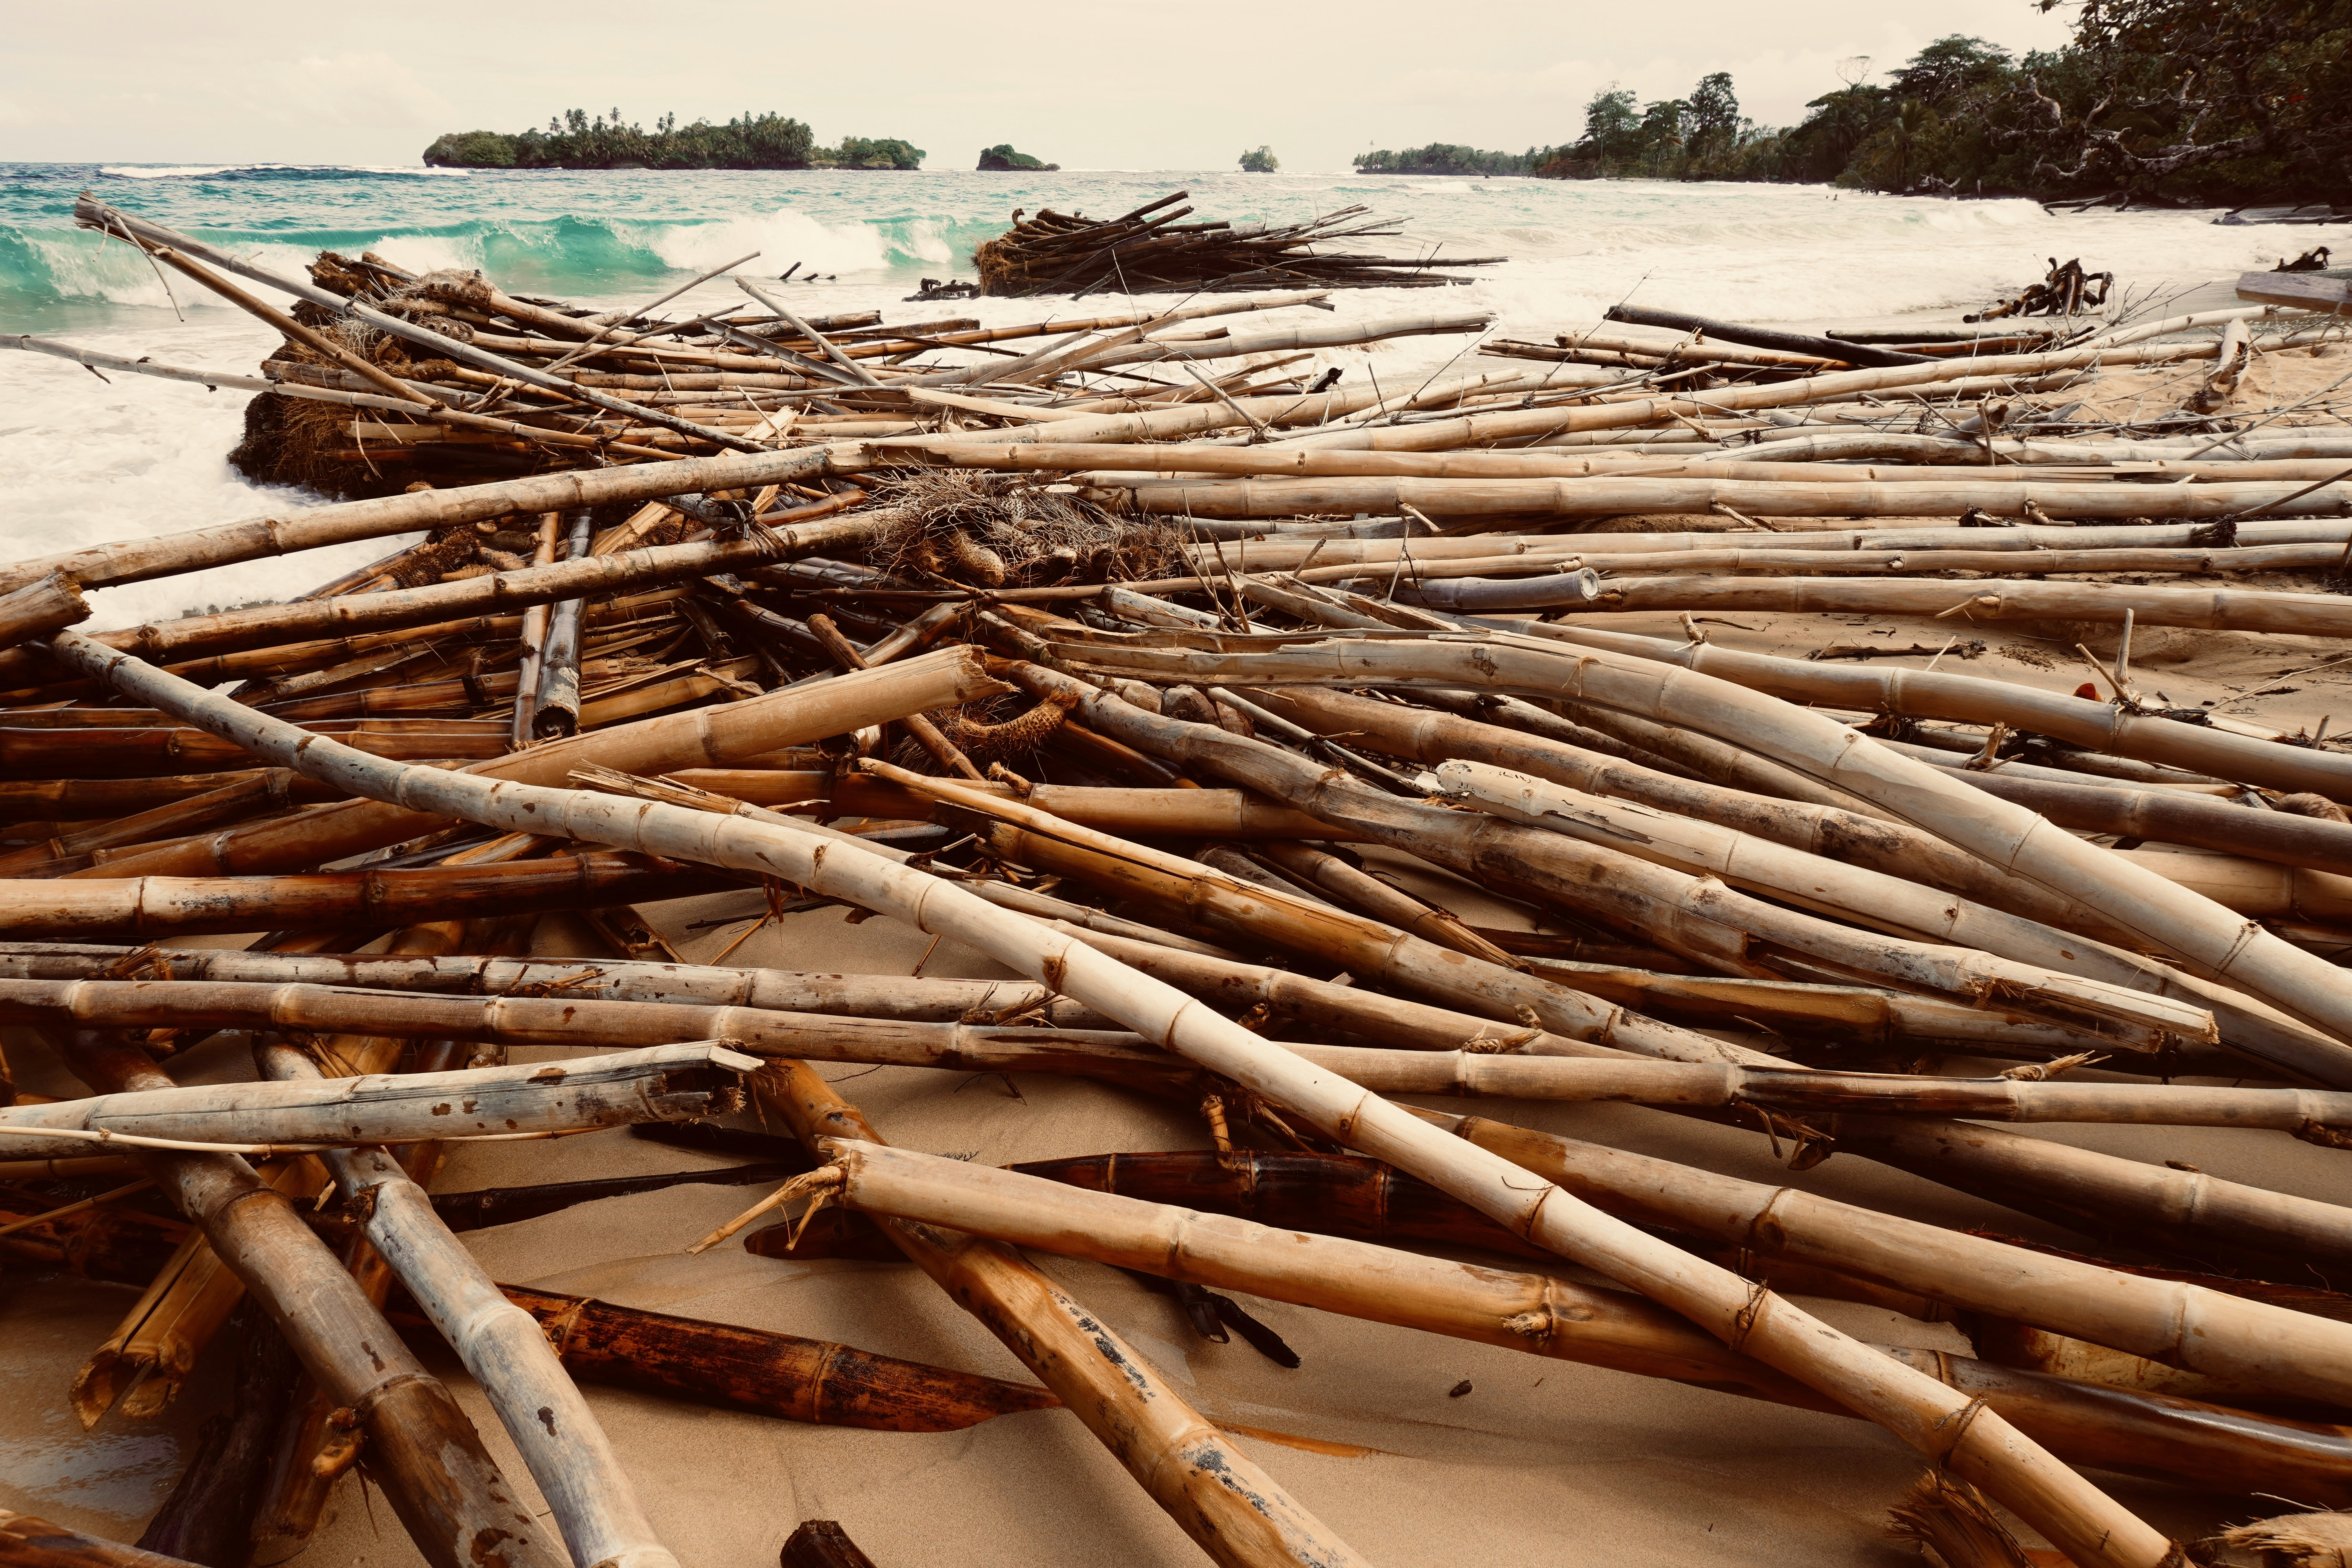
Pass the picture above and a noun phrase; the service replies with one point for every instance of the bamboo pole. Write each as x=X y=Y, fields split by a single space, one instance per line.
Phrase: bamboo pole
x=502 y=1346
x=710 y=737
x=421 y=1448
x=1693 y=915
x=1752 y=498
x=1983 y=1448
x=2167 y=916
x=256 y=538
x=1233 y=1511
x=41 y=605
x=28 y=1541
x=917 y=998
x=82 y=907
x=555 y=698
x=667 y=1083
x=208 y=1518
x=1543 y=1315
x=2252 y=1344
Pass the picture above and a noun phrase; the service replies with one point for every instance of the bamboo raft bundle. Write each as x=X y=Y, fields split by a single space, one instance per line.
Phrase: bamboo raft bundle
x=1848 y=745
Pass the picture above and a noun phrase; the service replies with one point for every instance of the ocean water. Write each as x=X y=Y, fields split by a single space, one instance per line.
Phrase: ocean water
x=84 y=459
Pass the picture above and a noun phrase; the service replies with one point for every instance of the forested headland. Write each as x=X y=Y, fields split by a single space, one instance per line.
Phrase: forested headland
x=2220 y=102
x=577 y=140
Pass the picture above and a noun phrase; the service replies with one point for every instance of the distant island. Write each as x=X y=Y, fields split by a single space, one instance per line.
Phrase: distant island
x=576 y=139
x=1261 y=161
x=1003 y=159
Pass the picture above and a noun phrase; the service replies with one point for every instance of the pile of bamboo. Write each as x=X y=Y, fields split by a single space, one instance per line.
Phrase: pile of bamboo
x=1201 y=701
x=1152 y=249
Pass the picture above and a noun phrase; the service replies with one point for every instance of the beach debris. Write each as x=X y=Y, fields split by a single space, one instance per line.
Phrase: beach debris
x=2312 y=261
x=1234 y=711
x=1149 y=250
x=2065 y=291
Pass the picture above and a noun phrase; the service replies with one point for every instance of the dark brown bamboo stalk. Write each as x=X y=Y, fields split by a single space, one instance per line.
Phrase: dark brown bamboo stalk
x=45 y=753
x=209 y=1516
x=28 y=1541
x=253 y=793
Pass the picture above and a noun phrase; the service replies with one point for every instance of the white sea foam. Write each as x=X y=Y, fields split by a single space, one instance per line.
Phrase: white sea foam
x=202 y=171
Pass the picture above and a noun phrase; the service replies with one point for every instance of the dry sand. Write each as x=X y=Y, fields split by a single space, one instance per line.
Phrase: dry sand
x=1542 y=1462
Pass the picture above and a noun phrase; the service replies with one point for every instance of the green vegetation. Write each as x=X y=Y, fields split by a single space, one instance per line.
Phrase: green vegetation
x=1443 y=158
x=2201 y=101
x=576 y=139
x=1261 y=161
x=1002 y=158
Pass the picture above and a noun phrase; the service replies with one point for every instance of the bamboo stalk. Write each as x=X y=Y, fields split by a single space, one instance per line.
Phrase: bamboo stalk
x=1542 y=1315
x=1982 y=1448
x=717 y=1365
x=502 y=1346
x=109 y=905
x=209 y=1515
x=422 y=1450
x=2252 y=1344
x=666 y=1083
x=555 y=696
x=1752 y=498
x=2168 y=917
x=256 y=538
x=915 y=998
x=41 y=605
x=533 y=640
x=705 y=738
x=28 y=1541
x=1233 y=1511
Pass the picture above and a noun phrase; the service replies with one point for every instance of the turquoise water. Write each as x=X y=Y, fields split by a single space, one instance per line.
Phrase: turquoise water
x=83 y=459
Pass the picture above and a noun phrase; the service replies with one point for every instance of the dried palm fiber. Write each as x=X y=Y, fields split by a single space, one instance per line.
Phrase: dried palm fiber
x=989 y=532
x=1214 y=1492
x=718 y=1365
x=502 y=1346
x=1951 y=1519
x=710 y=737
x=914 y=998
x=1539 y=1315
x=1982 y=1448
x=2292 y=1540
x=421 y=1448
x=2166 y=916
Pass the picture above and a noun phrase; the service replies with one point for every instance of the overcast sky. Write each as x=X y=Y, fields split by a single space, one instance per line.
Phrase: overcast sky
x=1088 y=86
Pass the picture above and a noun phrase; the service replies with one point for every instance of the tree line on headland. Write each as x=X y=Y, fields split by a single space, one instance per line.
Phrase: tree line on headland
x=577 y=140
x=2162 y=100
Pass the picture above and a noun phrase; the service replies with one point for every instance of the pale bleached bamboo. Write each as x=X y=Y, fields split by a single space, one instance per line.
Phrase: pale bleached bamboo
x=422 y=1450
x=1116 y=1055
x=1686 y=911
x=2168 y=916
x=2255 y=1345
x=1281 y=340
x=1127 y=466
x=2104 y=727
x=1536 y=1313
x=502 y=1346
x=1984 y=599
x=661 y=1084
x=1752 y=498
x=1289 y=554
x=705 y=737
x=256 y=538
x=2086 y=1524
x=1233 y=1511
x=919 y=998
x=1858 y=1017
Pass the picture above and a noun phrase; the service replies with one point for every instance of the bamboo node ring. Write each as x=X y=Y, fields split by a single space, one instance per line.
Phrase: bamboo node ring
x=1967 y=1414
